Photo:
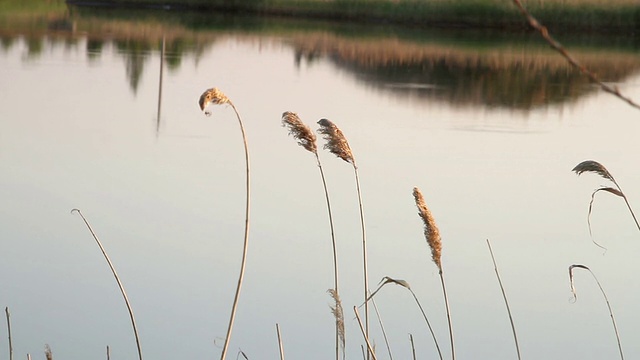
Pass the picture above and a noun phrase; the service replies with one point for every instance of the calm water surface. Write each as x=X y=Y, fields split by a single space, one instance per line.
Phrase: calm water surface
x=489 y=130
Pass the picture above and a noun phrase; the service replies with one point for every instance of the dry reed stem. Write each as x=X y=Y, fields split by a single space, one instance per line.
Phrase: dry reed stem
x=384 y=332
x=575 y=297
x=8 y=315
x=560 y=49
x=431 y=232
x=115 y=275
x=387 y=280
x=591 y=166
x=504 y=296
x=366 y=338
x=280 y=346
x=240 y=352
x=413 y=347
x=217 y=97
x=307 y=139
x=337 y=144
x=47 y=352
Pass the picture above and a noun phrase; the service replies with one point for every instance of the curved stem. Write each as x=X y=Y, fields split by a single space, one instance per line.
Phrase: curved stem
x=364 y=254
x=333 y=243
x=446 y=303
x=433 y=335
x=246 y=238
x=113 y=270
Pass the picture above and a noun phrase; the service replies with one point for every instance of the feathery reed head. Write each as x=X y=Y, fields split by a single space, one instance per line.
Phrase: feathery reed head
x=339 y=315
x=593 y=166
x=212 y=96
x=431 y=231
x=301 y=132
x=336 y=141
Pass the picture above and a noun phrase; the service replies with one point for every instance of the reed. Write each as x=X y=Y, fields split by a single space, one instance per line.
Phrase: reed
x=432 y=234
x=217 y=97
x=384 y=332
x=115 y=275
x=8 y=315
x=591 y=166
x=387 y=280
x=504 y=296
x=370 y=350
x=338 y=145
x=307 y=139
x=48 y=354
x=280 y=346
x=606 y=299
x=413 y=347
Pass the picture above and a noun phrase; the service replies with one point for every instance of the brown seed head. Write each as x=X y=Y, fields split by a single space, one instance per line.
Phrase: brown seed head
x=212 y=96
x=431 y=231
x=593 y=166
x=336 y=141
x=301 y=132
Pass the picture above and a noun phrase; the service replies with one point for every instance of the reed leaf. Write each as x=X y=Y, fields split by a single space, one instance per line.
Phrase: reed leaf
x=606 y=299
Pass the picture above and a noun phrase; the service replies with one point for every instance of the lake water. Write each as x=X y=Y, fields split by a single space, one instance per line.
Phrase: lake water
x=488 y=126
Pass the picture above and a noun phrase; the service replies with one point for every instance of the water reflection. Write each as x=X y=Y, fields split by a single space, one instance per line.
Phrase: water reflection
x=510 y=71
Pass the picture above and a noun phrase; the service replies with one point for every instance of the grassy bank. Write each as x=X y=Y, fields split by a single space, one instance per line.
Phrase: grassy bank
x=566 y=15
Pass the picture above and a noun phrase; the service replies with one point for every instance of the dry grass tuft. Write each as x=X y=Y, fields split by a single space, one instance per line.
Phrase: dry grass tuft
x=431 y=231
x=336 y=141
x=212 y=96
x=338 y=314
x=301 y=132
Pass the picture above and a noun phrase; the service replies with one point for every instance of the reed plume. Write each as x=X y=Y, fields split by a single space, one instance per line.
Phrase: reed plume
x=575 y=298
x=590 y=166
x=432 y=234
x=307 y=139
x=387 y=280
x=338 y=145
x=115 y=275
x=217 y=97
x=504 y=296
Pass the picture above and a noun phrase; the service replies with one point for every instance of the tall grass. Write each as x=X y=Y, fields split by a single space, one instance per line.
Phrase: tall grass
x=307 y=139
x=338 y=145
x=217 y=97
x=606 y=299
x=115 y=275
x=432 y=234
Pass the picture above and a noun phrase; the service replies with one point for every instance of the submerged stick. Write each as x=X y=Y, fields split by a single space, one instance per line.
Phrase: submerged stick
x=8 y=315
x=115 y=275
x=606 y=299
x=215 y=96
x=504 y=296
x=560 y=49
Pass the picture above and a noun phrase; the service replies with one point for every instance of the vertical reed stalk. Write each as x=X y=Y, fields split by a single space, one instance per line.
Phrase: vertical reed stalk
x=413 y=348
x=384 y=332
x=504 y=296
x=115 y=275
x=215 y=96
x=606 y=299
x=307 y=139
x=338 y=145
x=8 y=315
x=280 y=346
x=108 y=353
x=366 y=338
x=432 y=235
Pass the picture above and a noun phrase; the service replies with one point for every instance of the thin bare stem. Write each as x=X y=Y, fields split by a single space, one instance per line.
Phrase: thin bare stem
x=446 y=303
x=384 y=332
x=8 y=315
x=115 y=275
x=560 y=49
x=366 y=338
x=504 y=296
x=246 y=236
x=364 y=249
x=280 y=342
x=606 y=299
x=108 y=353
x=413 y=347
